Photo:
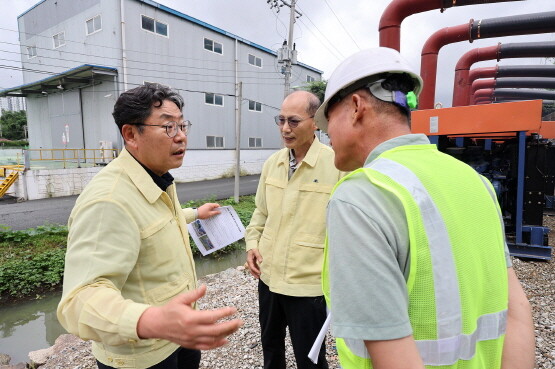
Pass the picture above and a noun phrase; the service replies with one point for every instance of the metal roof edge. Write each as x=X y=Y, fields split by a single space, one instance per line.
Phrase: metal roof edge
x=83 y=66
x=31 y=8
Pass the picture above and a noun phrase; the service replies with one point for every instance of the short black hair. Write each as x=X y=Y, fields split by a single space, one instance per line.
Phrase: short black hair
x=135 y=106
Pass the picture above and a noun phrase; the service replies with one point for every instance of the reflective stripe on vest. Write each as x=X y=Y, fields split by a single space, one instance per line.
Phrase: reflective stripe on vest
x=452 y=344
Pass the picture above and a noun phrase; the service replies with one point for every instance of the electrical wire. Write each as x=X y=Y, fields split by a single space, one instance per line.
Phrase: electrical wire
x=118 y=49
x=129 y=59
x=341 y=23
x=179 y=73
x=315 y=26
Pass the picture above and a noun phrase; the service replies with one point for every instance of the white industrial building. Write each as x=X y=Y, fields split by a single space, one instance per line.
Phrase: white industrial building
x=78 y=56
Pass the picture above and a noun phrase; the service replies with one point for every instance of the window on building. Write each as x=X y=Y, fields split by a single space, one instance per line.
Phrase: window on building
x=59 y=39
x=213 y=46
x=214 y=141
x=152 y=25
x=94 y=24
x=255 y=60
x=31 y=52
x=255 y=142
x=255 y=106
x=214 y=99
x=309 y=78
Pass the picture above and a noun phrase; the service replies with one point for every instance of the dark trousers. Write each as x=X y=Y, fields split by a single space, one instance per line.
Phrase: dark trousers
x=303 y=315
x=182 y=358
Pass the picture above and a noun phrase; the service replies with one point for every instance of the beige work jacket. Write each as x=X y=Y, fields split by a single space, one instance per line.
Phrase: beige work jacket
x=289 y=224
x=128 y=249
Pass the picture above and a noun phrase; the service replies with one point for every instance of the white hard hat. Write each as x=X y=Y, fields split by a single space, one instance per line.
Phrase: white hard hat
x=362 y=66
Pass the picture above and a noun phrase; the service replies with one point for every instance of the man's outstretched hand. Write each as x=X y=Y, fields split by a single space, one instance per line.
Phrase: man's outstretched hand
x=178 y=322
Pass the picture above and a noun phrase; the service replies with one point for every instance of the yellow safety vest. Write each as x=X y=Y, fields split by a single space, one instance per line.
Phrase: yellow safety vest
x=457 y=284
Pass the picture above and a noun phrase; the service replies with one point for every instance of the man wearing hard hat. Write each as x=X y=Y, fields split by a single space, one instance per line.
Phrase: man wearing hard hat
x=416 y=270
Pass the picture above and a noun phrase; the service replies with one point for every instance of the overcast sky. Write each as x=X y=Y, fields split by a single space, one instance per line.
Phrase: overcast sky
x=327 y=32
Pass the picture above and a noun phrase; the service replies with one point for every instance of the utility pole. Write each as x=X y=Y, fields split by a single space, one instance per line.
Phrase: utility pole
x=239 y=98
x=287 y=53
x=289 y=44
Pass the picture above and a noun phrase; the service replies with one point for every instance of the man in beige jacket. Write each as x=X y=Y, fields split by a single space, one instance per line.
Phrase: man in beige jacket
x=130 y=281
x=285 y=237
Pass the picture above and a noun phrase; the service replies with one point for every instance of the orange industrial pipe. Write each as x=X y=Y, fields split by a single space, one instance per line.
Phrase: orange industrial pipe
x=461 y=90
x=486 y=92
x=395 y=13
x=430 y=51
x=477 y=73
x=482 y=83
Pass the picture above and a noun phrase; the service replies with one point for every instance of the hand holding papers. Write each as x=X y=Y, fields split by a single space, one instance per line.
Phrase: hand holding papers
x=217 y=232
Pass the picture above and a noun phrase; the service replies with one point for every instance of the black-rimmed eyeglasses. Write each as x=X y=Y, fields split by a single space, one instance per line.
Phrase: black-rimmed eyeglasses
x=172 y=127
x=293 y=122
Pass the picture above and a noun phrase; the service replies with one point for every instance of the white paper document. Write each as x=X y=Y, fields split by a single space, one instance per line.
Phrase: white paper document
x=217 y=232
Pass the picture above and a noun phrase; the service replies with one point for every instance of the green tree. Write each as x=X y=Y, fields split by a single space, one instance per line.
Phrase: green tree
x=13 y=124
x=318 y=88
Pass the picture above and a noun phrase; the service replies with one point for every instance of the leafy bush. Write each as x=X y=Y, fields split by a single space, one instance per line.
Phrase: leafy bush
x=8 y=235
x=18 y=144
x=33 y=259
x=21 y=277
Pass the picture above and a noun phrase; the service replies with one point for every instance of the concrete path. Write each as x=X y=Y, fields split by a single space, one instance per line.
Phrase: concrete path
x=30 y=214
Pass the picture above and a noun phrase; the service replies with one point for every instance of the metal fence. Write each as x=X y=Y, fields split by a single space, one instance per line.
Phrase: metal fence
x=57 y=158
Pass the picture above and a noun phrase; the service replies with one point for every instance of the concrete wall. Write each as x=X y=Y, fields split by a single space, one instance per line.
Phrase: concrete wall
x=198 y=165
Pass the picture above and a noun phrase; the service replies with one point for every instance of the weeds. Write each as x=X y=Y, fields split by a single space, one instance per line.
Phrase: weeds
x=32 y=260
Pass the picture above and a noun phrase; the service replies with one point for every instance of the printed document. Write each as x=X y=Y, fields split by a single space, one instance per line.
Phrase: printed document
x=217 y=232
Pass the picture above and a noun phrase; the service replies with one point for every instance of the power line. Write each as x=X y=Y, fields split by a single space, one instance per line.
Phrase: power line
x=131 y=60
x=179 y=89
x=64 y=67
x=319 y=40
x=315 y=26
x=136 y=75
x=341 y=23
x=118 y=49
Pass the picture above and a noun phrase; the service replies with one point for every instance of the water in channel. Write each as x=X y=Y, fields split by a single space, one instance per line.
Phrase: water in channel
x=32 y=325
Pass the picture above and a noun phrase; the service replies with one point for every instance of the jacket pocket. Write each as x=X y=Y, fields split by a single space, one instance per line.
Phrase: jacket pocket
x=165 y=292
x=274 y=191
x=311 y=209
x=305 y=257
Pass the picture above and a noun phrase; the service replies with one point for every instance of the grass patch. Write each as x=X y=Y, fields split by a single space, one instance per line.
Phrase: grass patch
x=32 y=260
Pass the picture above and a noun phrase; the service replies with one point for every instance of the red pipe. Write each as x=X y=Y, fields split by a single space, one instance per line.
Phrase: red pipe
x=395 y=13
x=483 y=83
x=487 y=72
x=523 y=24
x=483 y=100
x=486 y=92
x=430 y=51
x=461 y=90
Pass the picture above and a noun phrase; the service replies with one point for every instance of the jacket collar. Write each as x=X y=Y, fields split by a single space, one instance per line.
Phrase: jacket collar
x=310 y=158
x=139 y=176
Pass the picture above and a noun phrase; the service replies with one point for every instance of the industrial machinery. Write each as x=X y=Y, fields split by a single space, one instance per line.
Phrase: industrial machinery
x=510 y=145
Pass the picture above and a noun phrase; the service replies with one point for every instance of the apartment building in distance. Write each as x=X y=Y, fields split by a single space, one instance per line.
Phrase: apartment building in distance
x=12 y=103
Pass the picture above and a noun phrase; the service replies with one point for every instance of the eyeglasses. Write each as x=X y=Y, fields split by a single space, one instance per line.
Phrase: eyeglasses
x=293 y=122
x=172 y=127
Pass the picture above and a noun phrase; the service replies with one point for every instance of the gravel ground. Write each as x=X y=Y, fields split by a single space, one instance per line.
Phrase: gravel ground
x=235 y=287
